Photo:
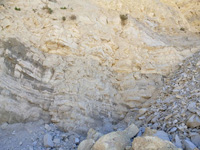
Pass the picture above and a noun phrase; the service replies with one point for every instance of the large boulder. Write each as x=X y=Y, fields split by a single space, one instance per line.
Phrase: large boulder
x=152 y=143
x=116 y=140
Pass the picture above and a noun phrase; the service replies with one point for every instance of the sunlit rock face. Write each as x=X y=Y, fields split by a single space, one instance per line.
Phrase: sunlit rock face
x=88 y=62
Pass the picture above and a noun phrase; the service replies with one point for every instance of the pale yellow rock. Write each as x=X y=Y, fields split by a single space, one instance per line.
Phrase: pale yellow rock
x=116 y=140
x=152 y=143
x=86 y=144
x=75 y=70
x=112 y=141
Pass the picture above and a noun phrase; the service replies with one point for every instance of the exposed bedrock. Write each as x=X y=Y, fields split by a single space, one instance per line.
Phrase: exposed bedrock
x=89 y=69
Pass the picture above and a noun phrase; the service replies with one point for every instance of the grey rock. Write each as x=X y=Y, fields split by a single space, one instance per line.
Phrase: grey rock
x=4 y=126
x=30 y=148
x=162 y=135
x=178 y=141
x=48 y=140
x=196 y=139
x=77 y=141
x=192 y=107
x=173 y=129
x=47 y=127
x=188 y=145
x=56 y=140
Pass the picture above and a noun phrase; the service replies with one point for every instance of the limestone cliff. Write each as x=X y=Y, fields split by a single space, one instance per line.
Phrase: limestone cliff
x=76 y=63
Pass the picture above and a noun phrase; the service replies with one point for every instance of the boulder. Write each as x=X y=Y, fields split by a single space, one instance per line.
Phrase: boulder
x=112 y=141
x=86 y=144
x=116 y=140
x=152 y=143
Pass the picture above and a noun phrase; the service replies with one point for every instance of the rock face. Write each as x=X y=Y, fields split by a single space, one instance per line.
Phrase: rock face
x=75 y=63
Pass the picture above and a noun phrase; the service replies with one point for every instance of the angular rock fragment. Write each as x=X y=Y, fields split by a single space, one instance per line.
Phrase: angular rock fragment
x=188 y=145
x=194 y=121
x=178 y=141
x=48 y=140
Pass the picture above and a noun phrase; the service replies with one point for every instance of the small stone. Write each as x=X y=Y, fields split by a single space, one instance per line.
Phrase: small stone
x=47 y=127
x=20 y=143
x=179 y=96
x=178 y=141
x=168 y=116
x=141 y=118
x=56 y=141
x=48 y=140
x=142 y=111
x=35 y=143
x=77 y=141
x=128 y=148
x=86 y=144
x=194 y=121
x=189 y=145
x=162 y=135
x=173 y=129
x=192 y=107
x=30 y=148
x=4 y=126
x=131 y=131
x=196 y=139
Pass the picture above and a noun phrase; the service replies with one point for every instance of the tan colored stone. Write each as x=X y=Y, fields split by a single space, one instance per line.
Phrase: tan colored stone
x=116 y=140
x=152 y=143
x=86 y=144
x=194 y=121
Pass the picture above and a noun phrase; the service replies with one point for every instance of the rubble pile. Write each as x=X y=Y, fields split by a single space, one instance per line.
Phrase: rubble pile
x=177 y=110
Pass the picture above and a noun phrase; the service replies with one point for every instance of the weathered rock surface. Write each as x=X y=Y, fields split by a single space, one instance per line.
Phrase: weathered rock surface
x=86 y=144
x=100 y=64
x=152 y=143
x=116 y=140
x=62 y=63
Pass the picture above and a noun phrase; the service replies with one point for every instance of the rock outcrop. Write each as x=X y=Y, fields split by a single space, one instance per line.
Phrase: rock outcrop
x=86 y=64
